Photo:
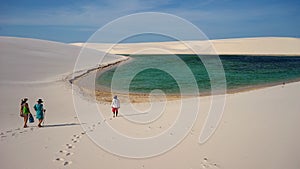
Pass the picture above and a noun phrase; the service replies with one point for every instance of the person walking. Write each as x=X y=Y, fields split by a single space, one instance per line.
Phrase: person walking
x=39 y=108
x=115 y=105
x=24 y=111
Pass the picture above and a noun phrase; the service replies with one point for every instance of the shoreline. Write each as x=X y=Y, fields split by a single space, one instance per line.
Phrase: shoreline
x=104 y=94
x=72 y=78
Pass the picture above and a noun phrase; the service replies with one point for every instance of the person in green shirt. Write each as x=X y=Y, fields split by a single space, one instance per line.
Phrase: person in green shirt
x=24 y=111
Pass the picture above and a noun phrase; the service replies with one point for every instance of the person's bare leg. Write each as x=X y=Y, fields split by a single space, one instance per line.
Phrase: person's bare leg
x=117 y=112
x=25 y=121
x=40 y=122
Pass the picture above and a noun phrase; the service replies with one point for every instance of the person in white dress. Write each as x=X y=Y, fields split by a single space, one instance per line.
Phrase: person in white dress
x=115 y=105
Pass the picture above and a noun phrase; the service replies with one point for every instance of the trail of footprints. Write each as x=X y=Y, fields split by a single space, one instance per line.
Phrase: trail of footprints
x=67 y=151
x=64 y=154
x=14 y=132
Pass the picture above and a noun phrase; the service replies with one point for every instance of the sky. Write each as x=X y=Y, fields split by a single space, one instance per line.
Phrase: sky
x=76 y=20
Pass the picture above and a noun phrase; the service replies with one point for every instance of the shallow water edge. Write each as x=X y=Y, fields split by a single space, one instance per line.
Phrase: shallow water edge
x=104 y=94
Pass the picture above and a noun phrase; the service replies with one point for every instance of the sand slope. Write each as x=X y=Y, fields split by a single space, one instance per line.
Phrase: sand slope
x=242 y=46
x=29 y=60
x=259 y=128
x=36 y=69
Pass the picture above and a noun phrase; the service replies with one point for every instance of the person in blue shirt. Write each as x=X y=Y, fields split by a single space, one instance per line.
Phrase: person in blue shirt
x=39 y=108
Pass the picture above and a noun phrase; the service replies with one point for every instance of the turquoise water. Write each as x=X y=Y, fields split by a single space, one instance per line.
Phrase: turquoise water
x=144 y=73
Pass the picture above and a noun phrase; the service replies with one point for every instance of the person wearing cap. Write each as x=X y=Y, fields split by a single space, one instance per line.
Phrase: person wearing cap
x=39 y=108
x=24 y=111
x=115 y=105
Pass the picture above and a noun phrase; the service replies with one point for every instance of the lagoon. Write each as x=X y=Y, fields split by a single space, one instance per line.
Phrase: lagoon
x=168 y=73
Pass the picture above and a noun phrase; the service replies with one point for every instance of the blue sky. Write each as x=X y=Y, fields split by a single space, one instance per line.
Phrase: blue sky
x=77 y=20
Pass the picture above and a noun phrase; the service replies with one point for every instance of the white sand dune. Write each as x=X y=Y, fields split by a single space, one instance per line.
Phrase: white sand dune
x=259 y=128
x=47 y=61
x=37 y=69
x=242 y=46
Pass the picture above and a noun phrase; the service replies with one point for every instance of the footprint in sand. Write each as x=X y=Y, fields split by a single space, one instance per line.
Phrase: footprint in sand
x=63 y=160
x=76 y=136
x=69 y=146
x=206 y=164
x=59 y=159
x=75 y=140
x=7 y=134
x=15 y=132
x=67 y=163
x=66 y=153
x=63 y=151
x=23 y=131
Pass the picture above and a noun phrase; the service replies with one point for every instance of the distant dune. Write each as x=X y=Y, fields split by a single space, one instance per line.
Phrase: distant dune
x=280 y=46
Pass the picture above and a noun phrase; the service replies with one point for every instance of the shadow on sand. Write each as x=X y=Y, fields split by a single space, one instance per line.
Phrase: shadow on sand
x=61 y=125
x=136 y=114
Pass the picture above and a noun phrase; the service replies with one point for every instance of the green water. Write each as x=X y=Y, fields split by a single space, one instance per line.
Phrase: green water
x=168 y=72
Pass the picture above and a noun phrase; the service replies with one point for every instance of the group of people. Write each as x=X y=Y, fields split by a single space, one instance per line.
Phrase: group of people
x=40 y=111
x=25 y=111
